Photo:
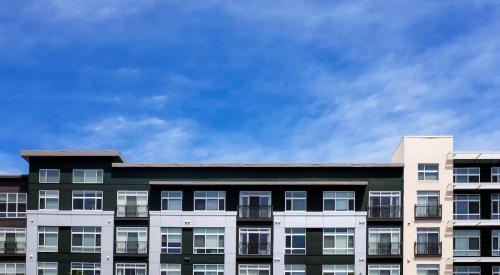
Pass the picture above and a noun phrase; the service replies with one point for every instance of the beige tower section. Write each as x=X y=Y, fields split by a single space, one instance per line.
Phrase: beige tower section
x=427 y=149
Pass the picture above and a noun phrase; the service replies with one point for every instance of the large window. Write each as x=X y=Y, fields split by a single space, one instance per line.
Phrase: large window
x=47 y=238
x=295 y=200
x=495 y=174
x=385 y=204
x=384 y=241
x=12 y=268
x=428 y=241
x=427 y=204
x=87 y=175
x=132 y=204
x=48 y=200
x=466 y=243
x=253 y=269
x=85 y=268
x=208 y=269
x=171 y=240
x=295 y=241
x=208 y=240
x=47 y=268
x=495 y=242
x=255 y=241
x=170 y=269
x=12 y=240
x=338 y=269
x=209 y=200
x=338 y=200
x=495 y=206
x=130 y=269
x=466 y=270
x=171 y=200
x=48 y=175
x=462 y=175
x=86 y=239
x=87 y=200
x=295 y=269
x=338 y=241
x=428 y=171
x=427 y=269
x=255 y=205
x=132 y=240
x=12 y=205
x=466 y=207
x=383 y=269
x=495 y=270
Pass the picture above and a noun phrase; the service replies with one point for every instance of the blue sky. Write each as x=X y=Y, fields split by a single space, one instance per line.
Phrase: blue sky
x=247 y=81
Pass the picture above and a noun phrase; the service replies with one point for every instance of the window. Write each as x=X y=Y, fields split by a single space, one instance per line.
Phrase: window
x=466 y=207
x=130 y=269
x=495 y=206
x=428 y=171
x=209 y=200
x=208 y=269
x=85 y=269
x=295 y=241
x=48 y=175
x=495 y=270
x=383 y=269
x=47 y=238
x=171 y=200
x=466 y=243
x=87 y=175
x=255 y=241
x=338 y=241
x=132 y=240
x=463 y=175
x=12 y=240
x=47 y=268
x=255 y=205
x=171 y=240
x=495 y=174
x=208 y=240
x=86 y=239
x=295 y=200
x=132 y=204
x=385 y=204
x=48 y=200
x=338 y=201
x=295 y=269
x=384 y=241
x=427 y=269
x=87 y=200
x=495 y=242
x=466 y=270
x=427 y=204
x=252 y=269
x=12 y=268
x=12 y=205
x=428 y=241
x=170 y=269
x=338 y=270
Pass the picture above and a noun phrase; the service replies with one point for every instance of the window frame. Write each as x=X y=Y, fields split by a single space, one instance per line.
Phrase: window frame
x=495 y=172
x=142 y=238
x=18 y=233
x=335 y=250
x=375 y=269
x=424 y=171
x=294 y=269
x=17 y=201
x=467 y=198
x=8 y=268
x=134 y=266
x=96 y=198
x=221 y=196
x=98 y=180
x=218 y=232
x=245 y=269
x=337 y=269
x=292 y=198
x=468 y=252
x=495 y=270
x=85 y=231
x=46 y=197
x=427 y=268
x=164 y=231
x=86 y=266
x=495 y=213
x=44 y=232
x=138 y=194
x=290 y=234
x=466 y=172
x=461 y=270
x=46 y=170
x=495 y=252
x=255 y=230
x=168 y=198
x=50 y=266
x=377 y=231
x=334 y=198
x=204 y=268
x=167 y=269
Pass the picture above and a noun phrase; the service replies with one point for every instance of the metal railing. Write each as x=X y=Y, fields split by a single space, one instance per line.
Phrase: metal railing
x=17 y=247
x=428 y=249
x=384 y=248
x=131 y=247
x=254 y=248
x=255 y=212
x=384 y=211
x=428 y=211
x=132 y=211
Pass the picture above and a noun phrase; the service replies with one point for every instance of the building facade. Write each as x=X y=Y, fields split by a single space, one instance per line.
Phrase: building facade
x=430 y=211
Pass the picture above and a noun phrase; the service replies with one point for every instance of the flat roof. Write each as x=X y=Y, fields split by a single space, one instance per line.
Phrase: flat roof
x=475 y=155
x=13 y=176
x=26 y=154
x=254 y=165
x=253 y=182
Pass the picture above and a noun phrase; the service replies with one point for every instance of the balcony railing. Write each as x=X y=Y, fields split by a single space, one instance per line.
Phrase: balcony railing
x=384 y=211
x=255 y=249
x=131 y=211
x=18 y=247
x=131 y=247
x=428 y=249
x=428 y=211
x=384 y=248
x=255 y=212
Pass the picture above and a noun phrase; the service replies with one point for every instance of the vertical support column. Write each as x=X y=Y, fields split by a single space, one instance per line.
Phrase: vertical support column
x=230 y=245
x=31 y=243
x=360 y=245
x=279 y=243
x=107 y=244
x=154 y=244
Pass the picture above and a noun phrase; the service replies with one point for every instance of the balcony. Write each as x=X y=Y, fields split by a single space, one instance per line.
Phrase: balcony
x=383 y=212
x=254 y=249
x=384 y=249
x=428 y=249
x=9 y=247
x=131 y=247
x=132 y=211
x=255 y=212
x=428 y=211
